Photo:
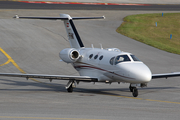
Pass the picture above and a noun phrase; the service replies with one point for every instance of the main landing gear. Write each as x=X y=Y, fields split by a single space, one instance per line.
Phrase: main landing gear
x=70 y=89
x=134 y=90
x=70 y=85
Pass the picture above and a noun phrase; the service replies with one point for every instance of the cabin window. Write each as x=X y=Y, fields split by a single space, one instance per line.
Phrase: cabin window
x=111 y=61
x=90 y=56
x=122 y=58
x=101 y=57
x=95 y=57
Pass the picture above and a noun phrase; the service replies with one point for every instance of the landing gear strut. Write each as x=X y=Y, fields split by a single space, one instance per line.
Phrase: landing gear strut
x=130 y=88
x=70 y=85
x=134 y=91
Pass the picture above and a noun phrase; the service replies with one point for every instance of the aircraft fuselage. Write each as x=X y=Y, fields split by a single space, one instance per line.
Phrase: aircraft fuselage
x=104 y=65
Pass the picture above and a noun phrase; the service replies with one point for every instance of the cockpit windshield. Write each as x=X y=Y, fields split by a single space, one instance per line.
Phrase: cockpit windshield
x=134 y=58
x=122 y=58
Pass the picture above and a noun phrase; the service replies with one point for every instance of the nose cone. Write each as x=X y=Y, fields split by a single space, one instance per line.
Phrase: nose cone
x=142 y=73
x=139 y=71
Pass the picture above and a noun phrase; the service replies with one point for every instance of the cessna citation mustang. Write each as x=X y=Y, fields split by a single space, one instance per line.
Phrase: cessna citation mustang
x=97 y=64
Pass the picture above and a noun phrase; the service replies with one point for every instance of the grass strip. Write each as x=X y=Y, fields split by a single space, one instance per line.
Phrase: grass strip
x=142 y=27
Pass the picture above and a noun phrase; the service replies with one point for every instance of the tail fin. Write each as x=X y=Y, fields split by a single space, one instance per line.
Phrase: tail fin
x=73 y=36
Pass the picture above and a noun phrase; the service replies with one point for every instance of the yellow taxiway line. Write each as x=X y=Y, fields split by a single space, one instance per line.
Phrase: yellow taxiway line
x=10 y=60
x=15 y=64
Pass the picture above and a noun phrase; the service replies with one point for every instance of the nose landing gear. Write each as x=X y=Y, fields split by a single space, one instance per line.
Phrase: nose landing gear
x=134 y=91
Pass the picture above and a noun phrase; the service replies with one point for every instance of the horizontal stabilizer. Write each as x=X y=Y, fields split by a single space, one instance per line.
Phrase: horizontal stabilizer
x=81 y=18
x=59 y=18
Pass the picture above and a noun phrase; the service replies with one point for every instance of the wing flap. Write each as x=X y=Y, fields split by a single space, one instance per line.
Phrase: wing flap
x=56 y=77
x=165 y=75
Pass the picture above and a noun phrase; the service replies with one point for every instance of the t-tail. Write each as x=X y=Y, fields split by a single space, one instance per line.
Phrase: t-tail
x=73 y=36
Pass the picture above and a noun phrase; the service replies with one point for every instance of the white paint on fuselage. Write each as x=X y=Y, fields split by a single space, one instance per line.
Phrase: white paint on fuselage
x=130 y=71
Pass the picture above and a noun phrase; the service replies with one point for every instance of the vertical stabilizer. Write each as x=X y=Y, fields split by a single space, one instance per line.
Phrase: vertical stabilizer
x=73 y=36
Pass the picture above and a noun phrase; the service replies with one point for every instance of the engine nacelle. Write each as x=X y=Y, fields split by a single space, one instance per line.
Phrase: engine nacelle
x=69 y=55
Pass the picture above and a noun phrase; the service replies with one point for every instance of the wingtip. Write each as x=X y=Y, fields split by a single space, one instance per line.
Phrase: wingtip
x=16 y=16
x=104 y=17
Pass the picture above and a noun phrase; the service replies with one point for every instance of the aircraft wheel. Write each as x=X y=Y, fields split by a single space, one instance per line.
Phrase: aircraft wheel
x=130 y=88
x=135 y=92
x=70 y=89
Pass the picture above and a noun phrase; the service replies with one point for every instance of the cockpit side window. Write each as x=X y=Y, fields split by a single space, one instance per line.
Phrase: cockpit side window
x=122 y=58
x=111 y=61
x=134 y=58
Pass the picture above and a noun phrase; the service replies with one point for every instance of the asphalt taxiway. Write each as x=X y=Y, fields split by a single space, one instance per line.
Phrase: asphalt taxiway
x=32 y=46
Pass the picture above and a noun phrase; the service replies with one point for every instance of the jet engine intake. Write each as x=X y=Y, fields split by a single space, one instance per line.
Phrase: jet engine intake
x=69 y=55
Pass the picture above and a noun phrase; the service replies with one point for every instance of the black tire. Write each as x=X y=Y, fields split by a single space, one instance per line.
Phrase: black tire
x=70 y=89
x=135 y=92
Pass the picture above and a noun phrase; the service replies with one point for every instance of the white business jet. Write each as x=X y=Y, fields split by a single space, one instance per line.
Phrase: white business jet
x=97 y=64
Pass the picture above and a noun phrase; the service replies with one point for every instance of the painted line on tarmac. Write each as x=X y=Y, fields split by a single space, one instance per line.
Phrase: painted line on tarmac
x=48 y=118
x=22 y=71
x=80 y=3
x=7 y=62
x=11 y=60
x=16 y=65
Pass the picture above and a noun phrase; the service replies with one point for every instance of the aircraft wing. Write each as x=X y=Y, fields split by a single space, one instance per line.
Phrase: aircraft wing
x=165 y=75
x=51 y=77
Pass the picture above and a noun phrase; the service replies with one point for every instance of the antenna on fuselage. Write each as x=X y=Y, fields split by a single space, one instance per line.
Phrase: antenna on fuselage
x=92 y=46
x=101 y=45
